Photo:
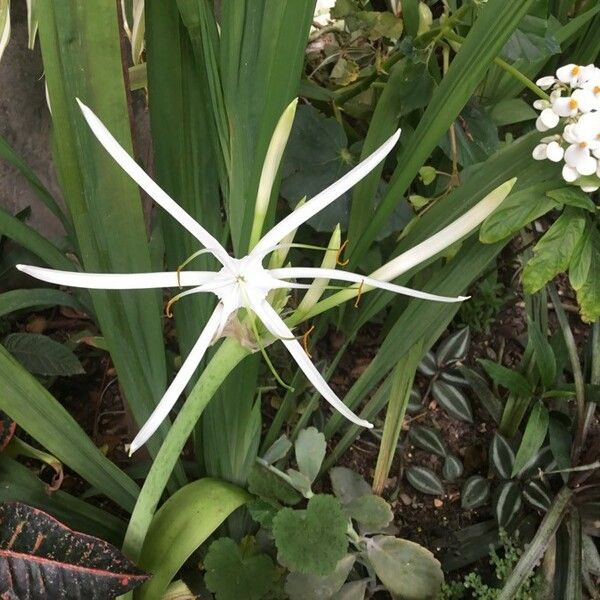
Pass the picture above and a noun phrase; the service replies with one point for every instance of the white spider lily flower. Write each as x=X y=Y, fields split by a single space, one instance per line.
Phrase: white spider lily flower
x=242 y=283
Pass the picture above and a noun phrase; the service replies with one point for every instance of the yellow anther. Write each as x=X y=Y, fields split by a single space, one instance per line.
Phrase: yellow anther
x=360 y=289
x=573 y=104
x=596 y=89
x=305 y=340
x=582 y=144
x=575 y=70
x=338 y=258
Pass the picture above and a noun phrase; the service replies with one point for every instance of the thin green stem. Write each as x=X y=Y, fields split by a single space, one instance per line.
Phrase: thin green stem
x=454 y=37
x=594 y=376
x=225 y=359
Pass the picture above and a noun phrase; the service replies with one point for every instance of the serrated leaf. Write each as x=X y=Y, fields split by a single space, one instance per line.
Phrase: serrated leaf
x=508 y=503
x=543 y=353
x=534 y=436
x=537 y=494
x=428 y=365
x=232 y=575
x=424 y=480
x=41 y=355
x=408 y=571
x=453 y=468
x=475 y=492
x=581 y=259
x=427 y=439
x=7 y=430
x=262 y=512
x=511 y=380
x=572 y=196
x=515 y=212
x=310 y=448
x=415 y=402
x=453 y=400
x=559 y=436
x=502 y=456
x=371 y=511
x=552 y=254
x=588 y=293
x=347 y=484
x=454 y=347
x=41 y=558
x=278 y=450
x=299 y=586
x=487 y=398
x=271 y=488
x=312 y=541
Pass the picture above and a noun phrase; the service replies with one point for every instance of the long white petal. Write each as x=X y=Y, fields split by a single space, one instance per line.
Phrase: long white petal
x=120 y=281
x=128 y=164
x=182 y=378
x=447 y=236
x=369 y=282
x=278 y=328
x=324 y=198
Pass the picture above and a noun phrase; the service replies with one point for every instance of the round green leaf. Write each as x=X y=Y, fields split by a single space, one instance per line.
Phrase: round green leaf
x=371 y=511
x=299 y=586
x=347 y=484
x=407 y=570
x=312 y=541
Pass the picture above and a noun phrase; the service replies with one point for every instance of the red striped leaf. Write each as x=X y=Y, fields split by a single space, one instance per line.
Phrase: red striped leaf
x=41 y=558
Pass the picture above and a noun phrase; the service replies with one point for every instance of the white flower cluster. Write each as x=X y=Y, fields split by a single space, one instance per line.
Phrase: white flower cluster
x=575 y=98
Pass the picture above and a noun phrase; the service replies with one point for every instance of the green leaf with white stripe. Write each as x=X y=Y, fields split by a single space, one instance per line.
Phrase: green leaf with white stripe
x=508 y=503
x=453 y=468
x=475 y=492
x=428 y=365
x=425 y=480
x=502 y=456
x=454 y=347
x=453 y=401
x=538 y=495
x=428 y=439
x=533 y=438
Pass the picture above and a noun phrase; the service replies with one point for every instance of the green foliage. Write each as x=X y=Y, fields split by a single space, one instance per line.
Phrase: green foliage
x=267 y=485
x=503 y=561
x=41 y=355
x=233 y=572
x=487 y=298
x=314 y=540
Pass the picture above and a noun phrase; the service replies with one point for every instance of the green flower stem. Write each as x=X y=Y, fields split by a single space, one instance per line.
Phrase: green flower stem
x=538 y=544
x=229 y=354
x=453 y=37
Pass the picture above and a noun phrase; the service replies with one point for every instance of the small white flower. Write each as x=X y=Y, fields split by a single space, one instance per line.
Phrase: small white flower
x=589 y=77
x=569 y=174
x=589 y=188
x=584 y=138
x=555 y=152
x=546 y=82
x=540 y=152
x=548 y=119
x=565 y=106
x=245 y=283
x=541 y=104
x=569 y=74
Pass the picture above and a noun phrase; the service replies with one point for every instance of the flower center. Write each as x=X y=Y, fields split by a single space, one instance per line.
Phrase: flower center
x=582 y=144
x=575 y=71
x=596 y=89
x=573 y=104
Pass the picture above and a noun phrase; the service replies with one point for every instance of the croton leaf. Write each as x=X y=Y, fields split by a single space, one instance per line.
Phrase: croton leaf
x=41 y=558
x=312 y=541
x=7 y=430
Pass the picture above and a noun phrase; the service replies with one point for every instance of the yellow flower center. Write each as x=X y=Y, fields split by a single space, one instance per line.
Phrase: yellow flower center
x=573 y=104
x=596 y=90
x=582 y=144
x=575 y=71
